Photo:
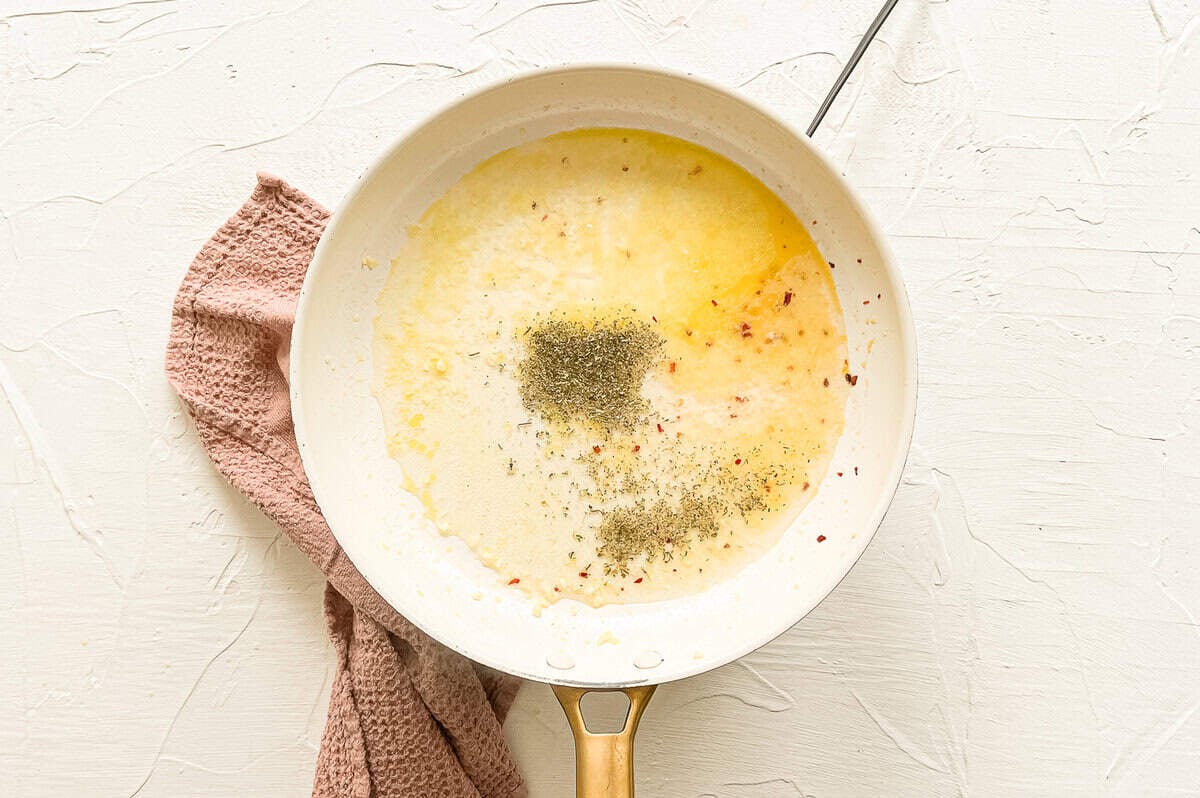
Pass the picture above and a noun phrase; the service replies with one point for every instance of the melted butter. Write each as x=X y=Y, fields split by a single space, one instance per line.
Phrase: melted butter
x=595 y=224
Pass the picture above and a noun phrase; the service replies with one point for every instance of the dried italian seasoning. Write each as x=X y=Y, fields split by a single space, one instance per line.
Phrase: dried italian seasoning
x=654 y=529
x=588 y=370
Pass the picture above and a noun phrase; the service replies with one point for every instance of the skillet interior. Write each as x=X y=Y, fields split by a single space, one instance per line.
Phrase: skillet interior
x=436 y=581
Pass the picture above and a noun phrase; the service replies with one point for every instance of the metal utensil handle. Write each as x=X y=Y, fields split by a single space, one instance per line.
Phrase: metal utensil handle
x=603 y=762
x=855 y=57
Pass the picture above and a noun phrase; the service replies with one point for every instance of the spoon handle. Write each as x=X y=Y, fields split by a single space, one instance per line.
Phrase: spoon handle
x=855 y=57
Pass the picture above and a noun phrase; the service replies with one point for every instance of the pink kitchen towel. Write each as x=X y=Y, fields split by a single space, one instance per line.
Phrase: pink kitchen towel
x=407 y=717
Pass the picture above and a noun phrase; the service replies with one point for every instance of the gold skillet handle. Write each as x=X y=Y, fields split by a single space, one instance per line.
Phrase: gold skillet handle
x=603 y=762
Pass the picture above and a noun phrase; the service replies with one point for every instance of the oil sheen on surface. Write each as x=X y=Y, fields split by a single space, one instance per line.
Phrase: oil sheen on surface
x=743 y=399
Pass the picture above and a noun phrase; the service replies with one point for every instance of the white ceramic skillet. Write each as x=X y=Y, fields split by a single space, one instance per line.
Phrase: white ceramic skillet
x=436 y=581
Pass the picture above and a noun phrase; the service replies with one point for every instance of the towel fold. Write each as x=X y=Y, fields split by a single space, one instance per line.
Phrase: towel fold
x=407 y=717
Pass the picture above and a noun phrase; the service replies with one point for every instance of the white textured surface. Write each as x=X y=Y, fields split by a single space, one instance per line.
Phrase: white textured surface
x=1024 y=624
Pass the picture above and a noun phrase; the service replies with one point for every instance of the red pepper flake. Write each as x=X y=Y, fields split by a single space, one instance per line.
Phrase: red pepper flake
x=637 y=581
x=714 y=302
x=678 y=434
x=671 y=367
x=636 y=448
x=745 y=326
x=733 y=415
x=820 y=538
x=556 y=590
x=514 y=581
x=866 y=301
x=839 y=473
x=747 y=334
x=583 y=574
x=544 y=218
x=660 y=429
x=655 y=319
x=852 y=378
x=826 y=382
x=814 y=221
x=787 y=298
x=767 y=488
x=596 y=449
x=739 y=399
x=805 y=486
x=678 y=417
x=737 y=461
x=725 y=546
